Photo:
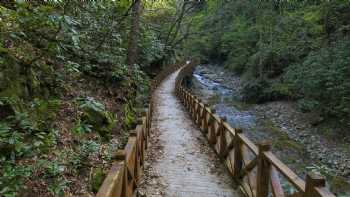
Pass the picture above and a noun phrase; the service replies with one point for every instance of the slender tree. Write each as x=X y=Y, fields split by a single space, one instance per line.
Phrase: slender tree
x=134 y=34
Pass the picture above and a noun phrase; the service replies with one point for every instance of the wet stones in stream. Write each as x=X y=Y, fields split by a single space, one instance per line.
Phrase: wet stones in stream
x=296 y=141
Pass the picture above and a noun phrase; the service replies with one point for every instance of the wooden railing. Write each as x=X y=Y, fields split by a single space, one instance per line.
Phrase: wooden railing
x=123 y=177
x=258 y=171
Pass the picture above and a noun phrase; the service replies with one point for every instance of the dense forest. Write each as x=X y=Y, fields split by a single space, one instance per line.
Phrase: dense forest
x=295 y=50
x=72 y=77
x=75 y=75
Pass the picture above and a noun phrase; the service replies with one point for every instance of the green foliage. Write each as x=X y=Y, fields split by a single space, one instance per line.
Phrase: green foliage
x=327 y=87
x=82 y=128
x=11 y=142
x=44 y=111
x=283 y=50
x=89 y=103
x=120 y=73
x=22 y=136
x=12 y=178
x=72 y=68
x=57 y=187
x=110 y=151
x=94 y=118
x=49 y=54
x=53 y=170
x=79 y=158
x=129 y=116
x=98 y=177
x=254 y=91
x=152 y=49
x=19 y=136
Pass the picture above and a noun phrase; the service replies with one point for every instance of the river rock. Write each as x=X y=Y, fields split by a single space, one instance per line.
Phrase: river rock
x=299 y=126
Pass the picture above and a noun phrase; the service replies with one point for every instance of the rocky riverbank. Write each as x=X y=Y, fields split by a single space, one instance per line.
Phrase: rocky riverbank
x=299 y=139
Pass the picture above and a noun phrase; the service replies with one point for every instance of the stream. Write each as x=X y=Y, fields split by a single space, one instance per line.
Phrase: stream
x=221 y=90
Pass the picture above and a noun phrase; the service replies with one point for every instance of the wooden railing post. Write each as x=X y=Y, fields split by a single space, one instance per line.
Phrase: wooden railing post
x=121 y=156
x=238 y=158
x=144 y=131
x=184 y=97
x=187 y=99
x=312 y=181
x=140 y=150
x=211 y=128
x=149 y=122
x=255 y=184
x=194 y=104
x=136 y=159
x=264 y=169
x=198 y=112
x=201 y=116
x=223 y=142
x=182 y=94
x=115 y=182
x=191 y=104
x=205 y=119
x=121 y=180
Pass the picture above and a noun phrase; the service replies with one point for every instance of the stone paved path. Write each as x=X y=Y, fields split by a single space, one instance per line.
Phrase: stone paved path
x=180 y=162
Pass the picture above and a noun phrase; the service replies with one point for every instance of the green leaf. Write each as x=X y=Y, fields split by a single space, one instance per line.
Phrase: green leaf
x=4 y=128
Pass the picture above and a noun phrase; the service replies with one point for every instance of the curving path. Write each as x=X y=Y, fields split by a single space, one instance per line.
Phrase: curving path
x=179 y=161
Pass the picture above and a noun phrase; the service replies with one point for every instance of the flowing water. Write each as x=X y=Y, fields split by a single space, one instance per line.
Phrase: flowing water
x=227 y=101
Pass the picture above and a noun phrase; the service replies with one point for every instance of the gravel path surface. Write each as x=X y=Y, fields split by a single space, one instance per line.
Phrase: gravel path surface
x=179 y=161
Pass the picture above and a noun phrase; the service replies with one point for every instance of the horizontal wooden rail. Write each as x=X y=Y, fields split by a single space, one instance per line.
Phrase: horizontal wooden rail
x=254 y=167
x=123 y=177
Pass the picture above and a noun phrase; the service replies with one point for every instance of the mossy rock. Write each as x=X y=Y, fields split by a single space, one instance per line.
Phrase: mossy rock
x=102 y=121
x=26 y=81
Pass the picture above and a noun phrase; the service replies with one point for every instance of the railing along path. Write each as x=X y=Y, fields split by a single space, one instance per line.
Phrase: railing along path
x=254 y=167
x=123 y=177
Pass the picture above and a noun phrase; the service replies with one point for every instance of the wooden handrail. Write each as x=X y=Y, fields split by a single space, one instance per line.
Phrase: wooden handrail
x=294 y=179
x=241 y=156
x=123 y=177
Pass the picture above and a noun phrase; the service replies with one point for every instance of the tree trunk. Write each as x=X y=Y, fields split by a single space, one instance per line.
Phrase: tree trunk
x=134 y=34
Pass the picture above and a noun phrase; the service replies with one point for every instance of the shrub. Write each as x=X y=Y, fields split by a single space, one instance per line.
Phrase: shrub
x=12 y=178
x=253 y=91
x=97 y=179
x=19 y=137
x=323 y=80
x=129 y=116
x=95 y=117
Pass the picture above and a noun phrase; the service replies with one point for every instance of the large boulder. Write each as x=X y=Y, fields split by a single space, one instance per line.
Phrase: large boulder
x=95 y=114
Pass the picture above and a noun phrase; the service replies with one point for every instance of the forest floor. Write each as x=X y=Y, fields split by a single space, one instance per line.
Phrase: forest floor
x=82 y=160
x=302 y=140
